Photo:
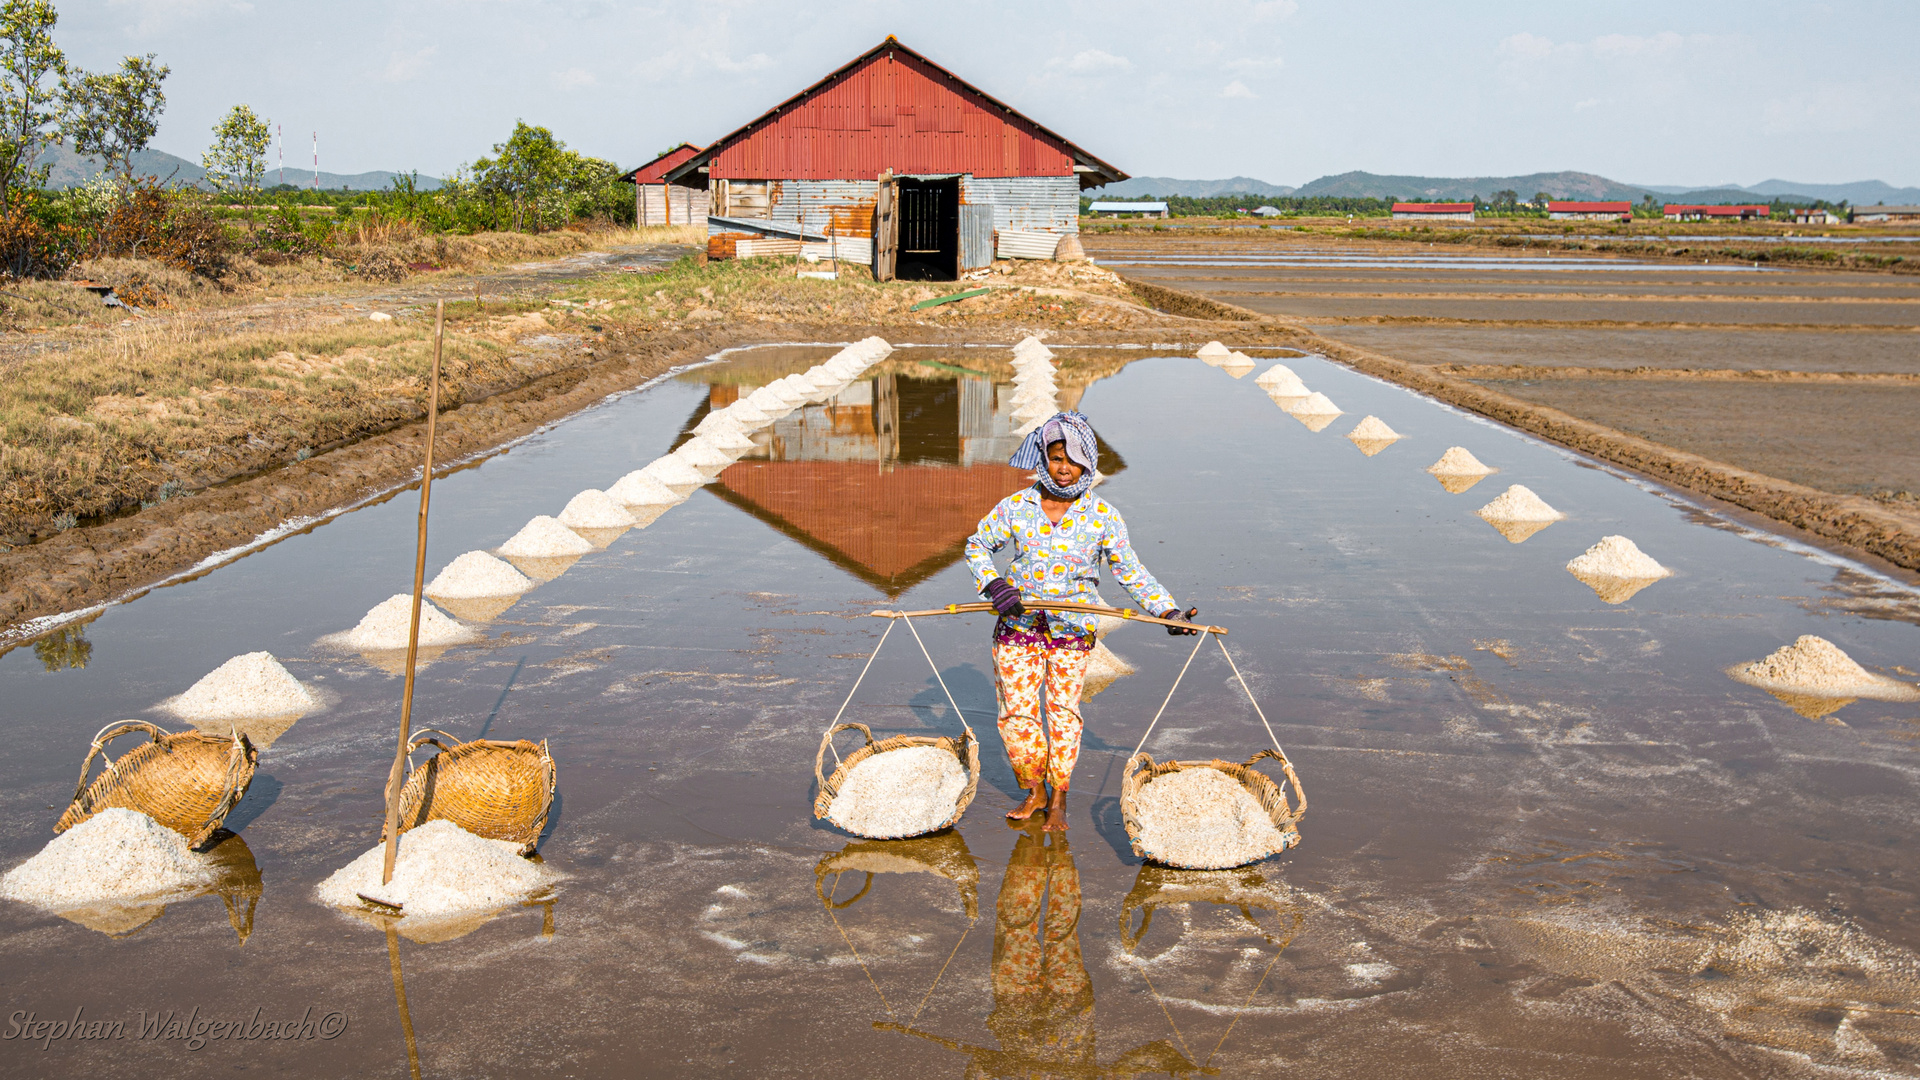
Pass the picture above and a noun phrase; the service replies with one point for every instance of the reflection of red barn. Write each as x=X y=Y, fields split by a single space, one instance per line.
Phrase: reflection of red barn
x=892 y=528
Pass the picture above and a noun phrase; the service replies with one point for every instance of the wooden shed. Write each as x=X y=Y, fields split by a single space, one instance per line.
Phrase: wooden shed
x=893 y=161
x=658 y=202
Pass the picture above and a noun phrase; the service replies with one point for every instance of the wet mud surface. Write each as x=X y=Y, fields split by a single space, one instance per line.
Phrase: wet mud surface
x=1548 y=834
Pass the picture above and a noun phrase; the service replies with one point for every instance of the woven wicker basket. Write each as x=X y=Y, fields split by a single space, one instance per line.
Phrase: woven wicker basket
x=1240 y=887
x=188 y=781
x=966 y=748
x=1141 y=771
x=943 y=854
x=494 y=789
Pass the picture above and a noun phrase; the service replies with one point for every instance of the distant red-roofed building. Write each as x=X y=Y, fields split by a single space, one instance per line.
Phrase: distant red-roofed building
x=657 y=202
x=1590 y=211
x=1687 y=212
x=1433 y=211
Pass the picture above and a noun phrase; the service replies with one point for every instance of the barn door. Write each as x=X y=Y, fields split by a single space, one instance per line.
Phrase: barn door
x=886 y=231
x=976 y=236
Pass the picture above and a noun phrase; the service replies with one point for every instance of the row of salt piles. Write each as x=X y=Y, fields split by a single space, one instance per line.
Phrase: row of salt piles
x=480 y=586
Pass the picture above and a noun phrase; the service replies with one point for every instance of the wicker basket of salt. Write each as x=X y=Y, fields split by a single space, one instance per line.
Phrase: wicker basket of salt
x=943 y=855
x=493 y=789
x=906 y=785
x=188 y=781
x=1209 y=815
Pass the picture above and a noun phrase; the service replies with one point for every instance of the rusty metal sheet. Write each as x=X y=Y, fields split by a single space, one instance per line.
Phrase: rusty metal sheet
x=1043 y=203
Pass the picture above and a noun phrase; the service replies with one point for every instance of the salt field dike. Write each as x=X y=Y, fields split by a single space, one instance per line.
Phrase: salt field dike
x=854 y=569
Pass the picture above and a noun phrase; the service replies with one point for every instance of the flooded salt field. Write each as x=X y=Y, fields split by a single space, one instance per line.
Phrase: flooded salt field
x=1548 y=833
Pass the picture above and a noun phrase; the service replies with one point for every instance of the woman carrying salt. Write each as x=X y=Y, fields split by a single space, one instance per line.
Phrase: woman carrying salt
x=1060 y=533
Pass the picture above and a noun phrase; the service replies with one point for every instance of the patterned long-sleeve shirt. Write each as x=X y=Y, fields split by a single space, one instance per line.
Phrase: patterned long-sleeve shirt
x=1059 y=562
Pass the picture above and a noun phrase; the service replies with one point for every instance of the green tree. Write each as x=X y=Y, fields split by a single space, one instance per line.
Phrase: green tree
x=32 y=69
x=528 y=169
x=238 y=157
x=114 y=115
x=1541 y=198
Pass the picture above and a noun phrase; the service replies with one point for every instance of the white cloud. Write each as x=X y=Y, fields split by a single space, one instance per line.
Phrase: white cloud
x=1256 y=65
x=1274 y=9
x=1091 y=62
x=1526 y=46
x=406 y=67
x=573 y=78
x=1237 y=89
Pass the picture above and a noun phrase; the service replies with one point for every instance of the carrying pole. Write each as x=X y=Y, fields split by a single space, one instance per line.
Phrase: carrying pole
x=413 y=630
x=1057 y=605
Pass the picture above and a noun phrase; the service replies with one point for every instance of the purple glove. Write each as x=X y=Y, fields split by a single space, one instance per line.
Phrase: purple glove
x=1006 y=598
x=1183 y=616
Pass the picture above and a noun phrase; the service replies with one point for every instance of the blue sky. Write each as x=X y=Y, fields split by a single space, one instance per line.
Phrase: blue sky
x=1280 y=90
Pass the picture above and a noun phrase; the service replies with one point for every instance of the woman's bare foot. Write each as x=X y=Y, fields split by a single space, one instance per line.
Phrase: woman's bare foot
x=1057 y=811
x=1036 y=799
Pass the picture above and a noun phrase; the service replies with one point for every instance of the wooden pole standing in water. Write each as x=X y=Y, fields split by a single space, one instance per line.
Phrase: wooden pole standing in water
x=413 y=631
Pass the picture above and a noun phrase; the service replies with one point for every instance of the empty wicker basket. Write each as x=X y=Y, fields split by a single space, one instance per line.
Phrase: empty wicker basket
x=1141 y=771
x=188 y=781
x=498 y=790
x=966 y=748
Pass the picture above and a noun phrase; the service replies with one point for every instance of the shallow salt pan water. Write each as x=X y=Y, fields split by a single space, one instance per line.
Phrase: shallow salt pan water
x=1548 y=835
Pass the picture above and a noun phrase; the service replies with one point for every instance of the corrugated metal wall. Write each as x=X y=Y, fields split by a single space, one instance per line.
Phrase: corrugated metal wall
x=893 y=112
x=1049 y=203
x=815 y=205
x=689 y=205
x=976 y=236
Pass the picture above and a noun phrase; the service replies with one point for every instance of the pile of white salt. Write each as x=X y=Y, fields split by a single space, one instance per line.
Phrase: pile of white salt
x=903 y=792
x=249 y=686
x=1817 y=667
x=1104 y=667
x=1213 y=350
x=441 y=870
x=1237 y=364
x=545 y=538
x=595 y=509
x=1615 y=569
x=1280 y=381
x=116 y=854
x=1518 y=513
x=1372 y=435
x=729 y=439
x=639 y=489
x=1458 y=461
x=478 y=575
x=1315 y=404
x=746 y=415
x=701 y=453
x=674 y=472
x=1203 y=819
x=385 y=627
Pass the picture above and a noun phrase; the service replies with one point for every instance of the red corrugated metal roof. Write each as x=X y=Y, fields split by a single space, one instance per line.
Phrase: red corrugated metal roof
x=1432 y=207
x=1590 y=207
x=655 y=171
x=892 y=108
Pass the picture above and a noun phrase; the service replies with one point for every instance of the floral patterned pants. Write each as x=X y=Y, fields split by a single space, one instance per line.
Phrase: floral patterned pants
x=1021 y=671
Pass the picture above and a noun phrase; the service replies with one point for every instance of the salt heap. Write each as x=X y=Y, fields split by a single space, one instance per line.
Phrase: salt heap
x=1457 y=470
x=441 y=870
x=899 y=793
x=746 y=415
x=1372 y=435
x=1213 y=350
x=1817 y=667
x=729 y=440
x=1518 y=513
x=475 y=575
x=1203 y=819
x=251 y=685
x=769 y=401
x=639 y=489
x=1032 y=348
x=384 y=628
x=1615 y=568
x=1314 y=410
x=1280 y=381
x=674 y=472
x=595 y=509
x=1237 y=364
x=701 y=453
x=717 y=420
x=116 y=854
x=545 y=538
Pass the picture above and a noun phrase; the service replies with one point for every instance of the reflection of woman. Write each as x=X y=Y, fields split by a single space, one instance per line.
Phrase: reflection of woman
x=1042 y=999
x=1060 y=533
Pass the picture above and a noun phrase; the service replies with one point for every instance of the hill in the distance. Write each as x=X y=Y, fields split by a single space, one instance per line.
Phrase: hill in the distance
x=72 y=170
x=1141 y=187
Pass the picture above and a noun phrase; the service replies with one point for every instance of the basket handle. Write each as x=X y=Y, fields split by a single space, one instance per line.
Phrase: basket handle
x=1129 y=936
x=820 y=759
x=106 y=735
x=1292 y=778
